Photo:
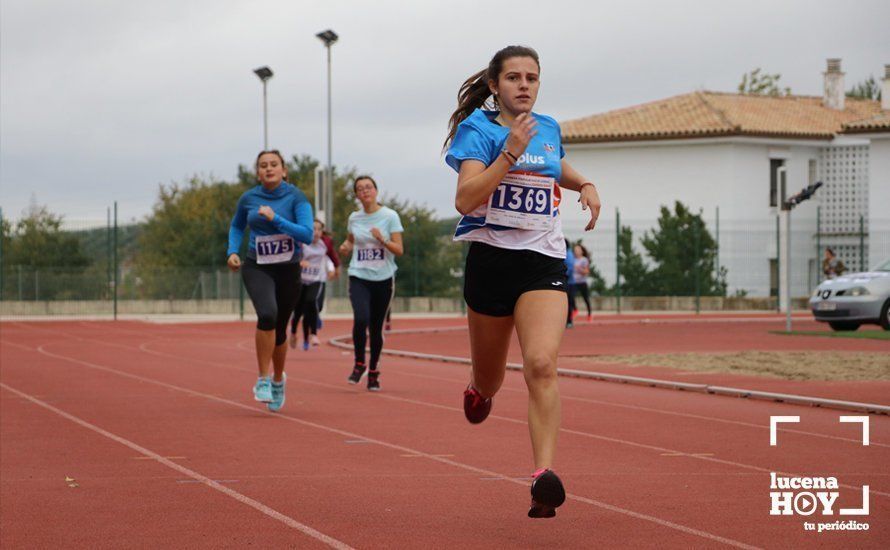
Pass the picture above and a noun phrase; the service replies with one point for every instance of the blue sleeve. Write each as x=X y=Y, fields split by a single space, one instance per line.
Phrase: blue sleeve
x=236 y=229
x=301 y=229
x=470 y=143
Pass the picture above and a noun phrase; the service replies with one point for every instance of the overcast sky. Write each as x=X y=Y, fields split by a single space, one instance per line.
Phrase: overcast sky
x=105 y=100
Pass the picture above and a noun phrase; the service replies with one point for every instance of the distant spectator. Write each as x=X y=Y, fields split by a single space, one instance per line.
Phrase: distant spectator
x=582 y=270
x=832 y=267
x=570 y=277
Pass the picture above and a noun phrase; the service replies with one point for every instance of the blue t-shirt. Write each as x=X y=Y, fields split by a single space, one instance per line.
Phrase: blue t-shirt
x=570 y=266
x=293 y=217
x=370 y=259
x=480 y=138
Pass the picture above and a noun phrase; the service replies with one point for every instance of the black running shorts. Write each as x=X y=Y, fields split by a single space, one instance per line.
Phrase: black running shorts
x=495 y=277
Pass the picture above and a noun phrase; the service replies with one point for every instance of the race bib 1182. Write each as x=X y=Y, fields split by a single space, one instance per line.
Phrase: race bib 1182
x=522 y=201
x=370 y=256
x=274 y=249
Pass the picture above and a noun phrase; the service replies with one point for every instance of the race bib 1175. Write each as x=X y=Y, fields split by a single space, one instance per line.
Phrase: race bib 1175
x=274 y=249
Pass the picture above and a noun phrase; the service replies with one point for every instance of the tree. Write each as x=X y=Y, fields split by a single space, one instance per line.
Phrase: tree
x=43 y=261
x=754 y=83
x=867 y=89
x=635 y=279
x=431 y=260
x=39 y=241
x=186 y=233
x=683 y=252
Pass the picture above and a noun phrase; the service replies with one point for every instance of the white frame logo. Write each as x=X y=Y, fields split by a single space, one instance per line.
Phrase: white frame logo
x=804 y=496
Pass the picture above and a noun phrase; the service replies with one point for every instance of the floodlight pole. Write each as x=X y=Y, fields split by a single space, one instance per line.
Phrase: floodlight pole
x=785 y=243
x=329 y=37
x=264 y=74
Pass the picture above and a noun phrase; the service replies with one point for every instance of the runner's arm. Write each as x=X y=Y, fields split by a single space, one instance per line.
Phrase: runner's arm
x=571 y=179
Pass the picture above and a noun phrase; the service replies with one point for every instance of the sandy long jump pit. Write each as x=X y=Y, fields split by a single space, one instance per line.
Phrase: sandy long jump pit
x=786 y=365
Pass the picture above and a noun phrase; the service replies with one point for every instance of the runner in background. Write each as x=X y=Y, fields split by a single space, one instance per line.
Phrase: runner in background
x=279 y=217
x=374 y=240
x=511 y=176
x=313 y=277
x=333 y=272
x=582 y=270
x=570 y=284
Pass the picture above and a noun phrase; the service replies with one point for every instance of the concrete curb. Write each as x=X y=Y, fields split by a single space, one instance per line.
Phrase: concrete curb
x=873 y=408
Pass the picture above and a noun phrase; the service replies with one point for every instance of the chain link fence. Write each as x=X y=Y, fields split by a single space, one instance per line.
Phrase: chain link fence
x=107 y=278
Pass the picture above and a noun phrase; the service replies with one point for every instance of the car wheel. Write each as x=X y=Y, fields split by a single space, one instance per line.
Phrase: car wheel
x=885 y=316
x=843 y=325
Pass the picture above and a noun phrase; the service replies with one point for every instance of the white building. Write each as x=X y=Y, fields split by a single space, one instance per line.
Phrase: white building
x=726 y=151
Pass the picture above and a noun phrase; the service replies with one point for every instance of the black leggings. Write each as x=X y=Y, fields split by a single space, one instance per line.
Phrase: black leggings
x=307 y=307
x=273 y=289
x=585 y=293
x=370 y=302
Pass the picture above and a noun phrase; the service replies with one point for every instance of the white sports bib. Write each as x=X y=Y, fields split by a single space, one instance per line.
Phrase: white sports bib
x=522 y=201
x=370 y=255
x=274 y=249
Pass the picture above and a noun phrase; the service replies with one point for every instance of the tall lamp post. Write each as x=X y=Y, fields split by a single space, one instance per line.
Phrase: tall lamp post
x=785 y=244
x=264 y=74
x=329 y=37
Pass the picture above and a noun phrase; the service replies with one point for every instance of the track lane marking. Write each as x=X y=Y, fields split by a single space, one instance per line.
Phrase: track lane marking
x=407 y=450
x=195 y=476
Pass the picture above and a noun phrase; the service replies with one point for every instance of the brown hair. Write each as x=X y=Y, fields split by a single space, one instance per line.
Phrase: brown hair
x=270 y=152
x=474 y=92
x=362 y=177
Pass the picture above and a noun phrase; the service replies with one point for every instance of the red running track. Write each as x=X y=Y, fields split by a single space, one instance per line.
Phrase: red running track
x=636 y=334
x=156 y=426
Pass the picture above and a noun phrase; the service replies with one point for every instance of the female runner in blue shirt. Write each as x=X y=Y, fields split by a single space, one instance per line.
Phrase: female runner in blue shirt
x=510 y=179
x=278 y=214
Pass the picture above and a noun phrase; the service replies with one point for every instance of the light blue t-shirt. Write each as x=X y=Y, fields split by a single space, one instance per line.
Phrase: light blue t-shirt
x=480 y=138
x=370 y=259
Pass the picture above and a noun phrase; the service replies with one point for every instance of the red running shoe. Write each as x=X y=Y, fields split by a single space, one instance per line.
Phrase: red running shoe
x=476 y=407
x=547 y=494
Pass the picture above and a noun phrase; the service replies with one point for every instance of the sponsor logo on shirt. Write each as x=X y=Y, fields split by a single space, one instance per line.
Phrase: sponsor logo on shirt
x=549 y=148
x=531 y=159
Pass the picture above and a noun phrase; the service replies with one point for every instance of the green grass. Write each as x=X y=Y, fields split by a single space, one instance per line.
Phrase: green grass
x=861 y=334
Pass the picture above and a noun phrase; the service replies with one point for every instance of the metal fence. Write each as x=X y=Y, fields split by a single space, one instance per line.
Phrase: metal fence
x=112 y=281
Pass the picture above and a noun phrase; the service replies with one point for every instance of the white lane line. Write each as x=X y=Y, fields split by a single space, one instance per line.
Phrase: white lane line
x=697 y=456
x=463 y=382
x=287 y=520
x=244 y=345
x=637 y=515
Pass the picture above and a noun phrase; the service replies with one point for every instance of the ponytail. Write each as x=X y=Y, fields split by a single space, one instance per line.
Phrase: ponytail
x=474 y=92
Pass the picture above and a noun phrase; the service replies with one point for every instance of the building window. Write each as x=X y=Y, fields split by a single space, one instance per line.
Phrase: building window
x=774 y=165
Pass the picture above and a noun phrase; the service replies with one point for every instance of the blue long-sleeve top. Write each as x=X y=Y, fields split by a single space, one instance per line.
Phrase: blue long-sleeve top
x=293 y=216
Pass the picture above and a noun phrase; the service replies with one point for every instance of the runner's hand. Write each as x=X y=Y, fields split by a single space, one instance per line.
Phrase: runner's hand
x=304 y=263
x=346 y=248
x=267 y=212
x=377 y=234
x=521 y=132
x=590 y=199
x=234 y=262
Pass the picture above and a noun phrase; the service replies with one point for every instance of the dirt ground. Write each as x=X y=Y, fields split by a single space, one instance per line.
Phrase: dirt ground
x=787 y=365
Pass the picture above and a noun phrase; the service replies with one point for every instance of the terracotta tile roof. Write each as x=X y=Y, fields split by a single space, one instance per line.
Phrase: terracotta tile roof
x=877 y=123
x=713 y=114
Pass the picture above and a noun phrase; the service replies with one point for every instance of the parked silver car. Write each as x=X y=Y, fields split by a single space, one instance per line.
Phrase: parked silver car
x=854 y=299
